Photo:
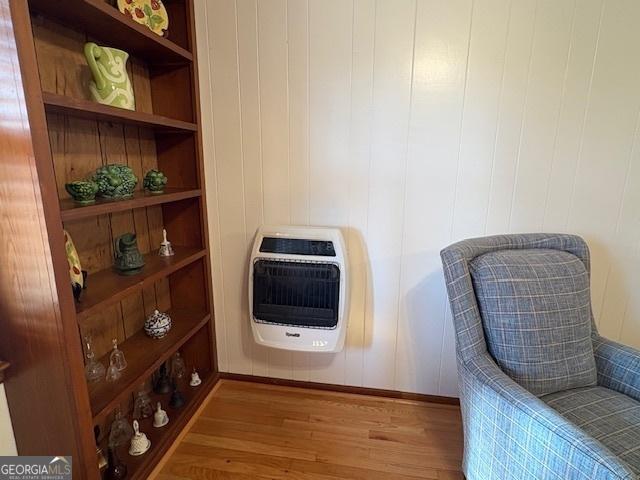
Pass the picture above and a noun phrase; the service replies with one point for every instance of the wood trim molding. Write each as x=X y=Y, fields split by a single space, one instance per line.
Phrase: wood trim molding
x=3 y=368
x=376 y=392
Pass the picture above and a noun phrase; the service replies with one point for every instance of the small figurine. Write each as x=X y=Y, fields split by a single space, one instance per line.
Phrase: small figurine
x=163 y=383
x=121 y=431
x=177 y=399
x=116 y=470
x=94 y=371
x=166 y=250
x=117 y=356
x=157 y=325
x=160 y=417
x=139 y=442
x=195 y=379
x=128 y=259
x=154 y=181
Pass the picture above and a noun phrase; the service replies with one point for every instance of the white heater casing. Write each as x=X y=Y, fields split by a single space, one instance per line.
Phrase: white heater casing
x=306 y=338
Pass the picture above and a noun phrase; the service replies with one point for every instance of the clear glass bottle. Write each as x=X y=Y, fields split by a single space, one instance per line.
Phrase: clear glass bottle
x=94 y=371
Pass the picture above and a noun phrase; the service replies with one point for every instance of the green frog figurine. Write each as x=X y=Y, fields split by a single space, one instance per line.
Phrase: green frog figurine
x=110 y=84
x=128 y=259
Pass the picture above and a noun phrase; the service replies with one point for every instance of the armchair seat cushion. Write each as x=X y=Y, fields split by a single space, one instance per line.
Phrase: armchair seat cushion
x=610 y=417
x=536 y=313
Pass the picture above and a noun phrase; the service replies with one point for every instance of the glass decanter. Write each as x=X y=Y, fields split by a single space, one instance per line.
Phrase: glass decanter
x=94 y=371
x=117 y=357
x=178 y=368
x=121 y=432
x=142 y=404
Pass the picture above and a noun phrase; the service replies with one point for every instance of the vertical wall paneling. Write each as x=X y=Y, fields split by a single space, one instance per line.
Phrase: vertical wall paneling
x=410 y=125
x=274 y=121
x=360 y=314
x=330 y=37
x=250 y=114
x=440 y=58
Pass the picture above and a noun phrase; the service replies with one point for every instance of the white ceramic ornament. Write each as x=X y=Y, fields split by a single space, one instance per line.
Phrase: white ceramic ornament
x=160 y=417
x=139 y=442
x=166 y=250
x=195 y=379
x=157 y=325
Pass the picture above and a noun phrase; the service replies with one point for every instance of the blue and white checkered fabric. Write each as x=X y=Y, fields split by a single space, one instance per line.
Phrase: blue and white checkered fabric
x=510 y=433
x=536 y=312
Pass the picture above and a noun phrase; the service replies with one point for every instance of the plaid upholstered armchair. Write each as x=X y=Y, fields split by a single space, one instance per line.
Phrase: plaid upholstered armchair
x=543 y=396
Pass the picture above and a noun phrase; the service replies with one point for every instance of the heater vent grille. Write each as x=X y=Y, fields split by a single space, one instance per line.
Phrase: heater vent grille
x=297 y=293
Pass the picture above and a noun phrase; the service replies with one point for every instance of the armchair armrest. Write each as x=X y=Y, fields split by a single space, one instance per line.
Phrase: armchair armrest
x=618 y=367
x=512 y=434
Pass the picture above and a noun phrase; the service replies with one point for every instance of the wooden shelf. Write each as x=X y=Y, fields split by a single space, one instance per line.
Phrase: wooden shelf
x=107 y=24
x=144 y=355
x=106 y=286
x=54 y=103
x=162 y=438
x=70 y=210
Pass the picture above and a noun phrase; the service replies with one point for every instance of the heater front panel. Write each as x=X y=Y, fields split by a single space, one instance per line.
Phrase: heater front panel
x=303 y=294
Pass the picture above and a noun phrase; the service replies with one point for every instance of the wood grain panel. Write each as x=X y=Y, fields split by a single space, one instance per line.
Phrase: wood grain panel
x=249 y=431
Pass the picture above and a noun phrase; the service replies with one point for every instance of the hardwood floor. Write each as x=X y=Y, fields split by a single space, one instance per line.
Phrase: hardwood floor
x=256 y=431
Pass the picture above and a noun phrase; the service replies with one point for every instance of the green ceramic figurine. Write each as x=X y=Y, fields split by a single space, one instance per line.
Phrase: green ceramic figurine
x=154 y=181
x=128 y=259
x=110 y=84
x=82 y=191
x=115 y=181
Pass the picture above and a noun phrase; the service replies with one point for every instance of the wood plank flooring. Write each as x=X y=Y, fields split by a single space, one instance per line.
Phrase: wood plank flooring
x=255 y=431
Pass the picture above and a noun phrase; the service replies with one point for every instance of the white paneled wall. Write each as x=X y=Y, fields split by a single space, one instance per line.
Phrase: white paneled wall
x=412 y=124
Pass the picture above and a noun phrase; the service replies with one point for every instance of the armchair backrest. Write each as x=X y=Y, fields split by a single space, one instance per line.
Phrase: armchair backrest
x=456 y=258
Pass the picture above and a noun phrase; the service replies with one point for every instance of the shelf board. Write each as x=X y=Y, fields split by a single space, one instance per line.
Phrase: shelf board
x=54 y=103
x=106 y=286
x=105 y=23
x=70 y=210
x=162 y=438
x=144 y=355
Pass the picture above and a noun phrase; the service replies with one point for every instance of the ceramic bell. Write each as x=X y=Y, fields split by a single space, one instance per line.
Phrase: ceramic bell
x=121 y=431
x=160 y=417
x=94 y=371
x=139 y=442
x=166 y=250
x=195 y=379
x=157 y=325
x=117 y=356
x=163 y=382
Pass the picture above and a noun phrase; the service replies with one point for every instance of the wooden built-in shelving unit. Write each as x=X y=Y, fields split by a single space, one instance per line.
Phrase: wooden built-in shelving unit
x=72 y=136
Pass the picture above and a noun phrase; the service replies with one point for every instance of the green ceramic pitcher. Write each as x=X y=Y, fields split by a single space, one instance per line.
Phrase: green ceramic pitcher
x=110 y=84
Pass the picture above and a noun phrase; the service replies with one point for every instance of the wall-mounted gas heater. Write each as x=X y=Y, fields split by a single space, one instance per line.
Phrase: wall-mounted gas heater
x=298 y=288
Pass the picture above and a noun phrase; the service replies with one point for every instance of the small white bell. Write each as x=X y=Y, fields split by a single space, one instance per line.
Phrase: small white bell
x=195 y=379
x=160 y=417
x=166 y=250
x=139 y=442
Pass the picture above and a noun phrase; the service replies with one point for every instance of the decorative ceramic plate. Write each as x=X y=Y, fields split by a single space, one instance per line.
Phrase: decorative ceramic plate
x=147 y=12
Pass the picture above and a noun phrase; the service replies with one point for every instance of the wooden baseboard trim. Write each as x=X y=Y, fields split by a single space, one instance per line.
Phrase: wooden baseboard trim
x=376 y=392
